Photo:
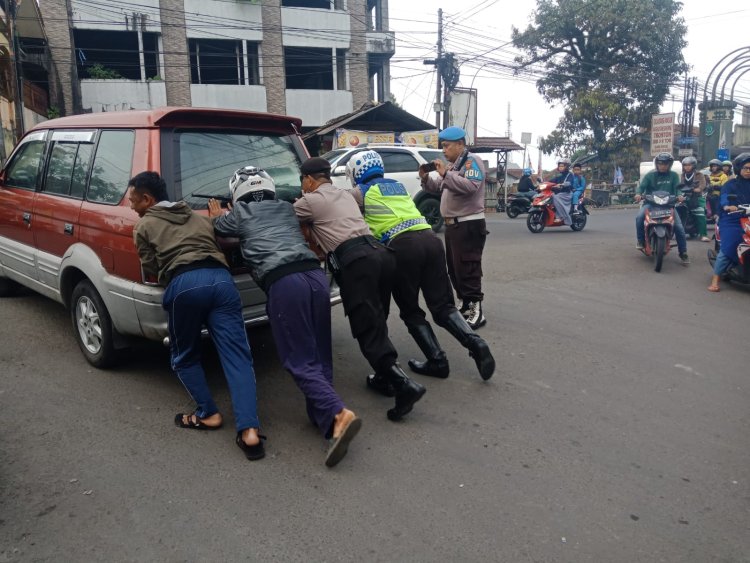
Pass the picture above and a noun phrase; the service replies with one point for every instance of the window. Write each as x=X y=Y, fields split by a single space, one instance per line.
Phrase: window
x=112 y=164
x=204 y=162
x=222 y=61
x=320 y=4
x=308 y=68
x=115 y=54
x=341 y=69
x=399 y=162
x=69 y=159
x=23 y=171
x=429 y=156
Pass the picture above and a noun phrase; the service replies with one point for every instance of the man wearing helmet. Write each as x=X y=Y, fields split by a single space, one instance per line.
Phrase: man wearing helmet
x=462 y=186
x=716 y=179
x=527 y=182
x=393 y=219
x=563 y=198
x=726 y=167
x=364 y=270
x=661 y=179
x=733 y=193
x=179 y=247
x=299 y=307
x=691 y=178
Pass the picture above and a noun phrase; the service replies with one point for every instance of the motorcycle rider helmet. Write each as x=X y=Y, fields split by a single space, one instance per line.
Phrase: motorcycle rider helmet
x=691 y=160
x=251 y=184
x=565 y=161
x=664 y=158
x=714 y=162
x=727 y=163
x=527 y=171
x=740 y=161
x=363 y=166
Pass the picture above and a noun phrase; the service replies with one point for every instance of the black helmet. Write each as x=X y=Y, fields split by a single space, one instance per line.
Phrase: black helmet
x=664 y=157
x=690 y=160
x=740 y=161
x=714 y=162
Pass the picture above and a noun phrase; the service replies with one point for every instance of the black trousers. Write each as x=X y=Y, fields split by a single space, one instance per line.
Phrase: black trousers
x=464 y=244
x=366 y=285
x=420 y=266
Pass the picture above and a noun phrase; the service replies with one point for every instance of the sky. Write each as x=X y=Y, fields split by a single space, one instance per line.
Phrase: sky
x=714 y=30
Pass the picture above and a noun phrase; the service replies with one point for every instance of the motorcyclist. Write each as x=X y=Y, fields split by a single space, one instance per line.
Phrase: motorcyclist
x=716 y=179
x=661 y=179
x=527 y=183
x=562 y=199
x=726 y=167
x=729 y=225
x=579 y=186
x=691 y=178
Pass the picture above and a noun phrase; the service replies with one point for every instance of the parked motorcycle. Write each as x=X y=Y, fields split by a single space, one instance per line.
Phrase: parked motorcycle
x=740 y=272
x=519 y=202
x=542 y=213
x=683 y=210
x=659 y=226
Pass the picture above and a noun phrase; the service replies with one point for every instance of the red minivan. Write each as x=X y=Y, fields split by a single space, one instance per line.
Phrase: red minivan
x=66 y=225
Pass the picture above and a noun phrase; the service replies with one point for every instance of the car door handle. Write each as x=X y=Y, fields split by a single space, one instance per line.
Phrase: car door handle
x=68 y=228
x=27 y=218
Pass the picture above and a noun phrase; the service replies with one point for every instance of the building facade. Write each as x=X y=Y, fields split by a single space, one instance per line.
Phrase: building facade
x=313 y=59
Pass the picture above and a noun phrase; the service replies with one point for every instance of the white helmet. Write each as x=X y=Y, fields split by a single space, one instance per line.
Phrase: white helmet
x=363 y=166
x=251 y=184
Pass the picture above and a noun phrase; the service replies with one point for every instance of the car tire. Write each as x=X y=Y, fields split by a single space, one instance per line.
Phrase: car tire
x=430 y=209
x=92 y=325
x=8 y=287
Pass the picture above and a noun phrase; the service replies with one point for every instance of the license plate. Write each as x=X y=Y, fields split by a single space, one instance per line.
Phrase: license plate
x=659 y=213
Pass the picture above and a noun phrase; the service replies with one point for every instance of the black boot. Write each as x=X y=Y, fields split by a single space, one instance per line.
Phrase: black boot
x=408 y=392
x=437 y=363
x=380 y=384
x=478 y=348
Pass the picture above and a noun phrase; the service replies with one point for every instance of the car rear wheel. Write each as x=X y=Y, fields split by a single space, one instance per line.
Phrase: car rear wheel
x=430 y=208
x=8 y=287
x=92 y=325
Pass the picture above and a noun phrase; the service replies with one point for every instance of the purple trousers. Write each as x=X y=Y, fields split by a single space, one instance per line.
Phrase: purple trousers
x=299 y=310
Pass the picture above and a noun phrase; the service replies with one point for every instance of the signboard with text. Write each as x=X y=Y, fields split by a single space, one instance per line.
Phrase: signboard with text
x=662 y=133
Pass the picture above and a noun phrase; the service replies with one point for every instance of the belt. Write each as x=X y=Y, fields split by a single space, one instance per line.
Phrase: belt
x=472 y=217
x=347 y=245
x=393 y=231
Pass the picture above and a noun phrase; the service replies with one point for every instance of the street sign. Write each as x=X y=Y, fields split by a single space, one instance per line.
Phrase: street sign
x=722 y=154
x=687 y=140
x=684 y=152
x=525 y=138
x=662 y=133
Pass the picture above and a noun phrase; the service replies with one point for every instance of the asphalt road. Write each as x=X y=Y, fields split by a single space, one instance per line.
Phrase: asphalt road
x=615 y=429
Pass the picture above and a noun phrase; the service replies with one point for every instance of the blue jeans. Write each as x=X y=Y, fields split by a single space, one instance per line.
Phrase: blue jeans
x=209 y=297
x=722 y=263
x=679 y=230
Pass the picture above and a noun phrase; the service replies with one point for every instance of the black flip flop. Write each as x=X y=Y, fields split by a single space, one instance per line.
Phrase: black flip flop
x=193 y=422
x=340 y=445
x=253 y=453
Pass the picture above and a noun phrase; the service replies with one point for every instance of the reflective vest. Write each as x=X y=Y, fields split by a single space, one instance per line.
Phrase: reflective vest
x=390 y=210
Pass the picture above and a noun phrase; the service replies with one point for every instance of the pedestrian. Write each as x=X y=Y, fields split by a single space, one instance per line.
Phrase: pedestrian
x=179 y=248
x=395 y=221
x=364 y=270
x=462 y=182
x=299 y=303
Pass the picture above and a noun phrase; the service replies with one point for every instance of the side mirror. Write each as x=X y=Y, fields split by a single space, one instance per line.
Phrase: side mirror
x=338 y=171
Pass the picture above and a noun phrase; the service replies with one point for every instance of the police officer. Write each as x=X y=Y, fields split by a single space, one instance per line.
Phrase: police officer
x=462 y=182
x=420 y=265
x=364 y=270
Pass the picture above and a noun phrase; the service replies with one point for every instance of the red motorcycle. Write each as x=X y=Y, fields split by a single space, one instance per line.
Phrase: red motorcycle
x=542 y=213
x=659 y=226
x=739 y=272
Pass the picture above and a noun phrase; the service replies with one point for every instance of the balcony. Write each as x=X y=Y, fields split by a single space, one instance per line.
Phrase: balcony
x=316 y=107
x=108 y=95
x=381 y=43
x=229 y=96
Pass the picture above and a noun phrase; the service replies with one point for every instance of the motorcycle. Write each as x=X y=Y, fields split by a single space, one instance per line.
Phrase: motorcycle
x=685 y=213
x=739 y=272
x=659 y=226
x=542 y=213
x=519 y=202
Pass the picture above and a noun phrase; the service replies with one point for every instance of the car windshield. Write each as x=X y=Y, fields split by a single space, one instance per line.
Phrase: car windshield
x=205 y=161
x=430 y=155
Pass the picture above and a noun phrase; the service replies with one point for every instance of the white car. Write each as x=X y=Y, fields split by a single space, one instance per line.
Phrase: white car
x=401 y=164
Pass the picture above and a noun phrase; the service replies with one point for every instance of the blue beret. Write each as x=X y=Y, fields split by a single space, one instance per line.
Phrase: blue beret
x=452 y=133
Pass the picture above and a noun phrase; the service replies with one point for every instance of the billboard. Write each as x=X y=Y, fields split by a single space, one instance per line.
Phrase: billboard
x=463 y=112
x=662 y=133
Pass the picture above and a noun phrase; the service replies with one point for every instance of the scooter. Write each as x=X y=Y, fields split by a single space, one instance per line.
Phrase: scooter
x=542 y=213
x=519 y=202
x=659 y=226
x=740 y=272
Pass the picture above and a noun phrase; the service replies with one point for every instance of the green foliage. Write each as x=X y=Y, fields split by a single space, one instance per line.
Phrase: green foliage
x=392 y=99
x=101 y=72
x=610 y=63
x=53 y=112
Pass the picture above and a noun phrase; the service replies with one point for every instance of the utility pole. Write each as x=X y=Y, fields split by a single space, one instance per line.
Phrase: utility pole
x=17 y=68
x=507 y=132
x=437 y=63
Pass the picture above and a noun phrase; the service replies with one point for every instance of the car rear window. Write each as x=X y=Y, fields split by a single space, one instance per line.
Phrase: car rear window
x=204 y=162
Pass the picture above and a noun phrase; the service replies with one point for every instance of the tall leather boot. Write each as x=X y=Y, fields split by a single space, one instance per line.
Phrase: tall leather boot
x=436 y=364
x=380 y=384
x=408 y=392
x=478 y=348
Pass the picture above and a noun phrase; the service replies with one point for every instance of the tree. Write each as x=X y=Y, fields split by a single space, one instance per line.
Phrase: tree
x=610 y=63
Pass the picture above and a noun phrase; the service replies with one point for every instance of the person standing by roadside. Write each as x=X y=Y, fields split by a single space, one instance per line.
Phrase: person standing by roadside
x=691 y=178
x=179 y=247
x=395 y=221
x=299 y=305
x=364 y=270
x=462 y=183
